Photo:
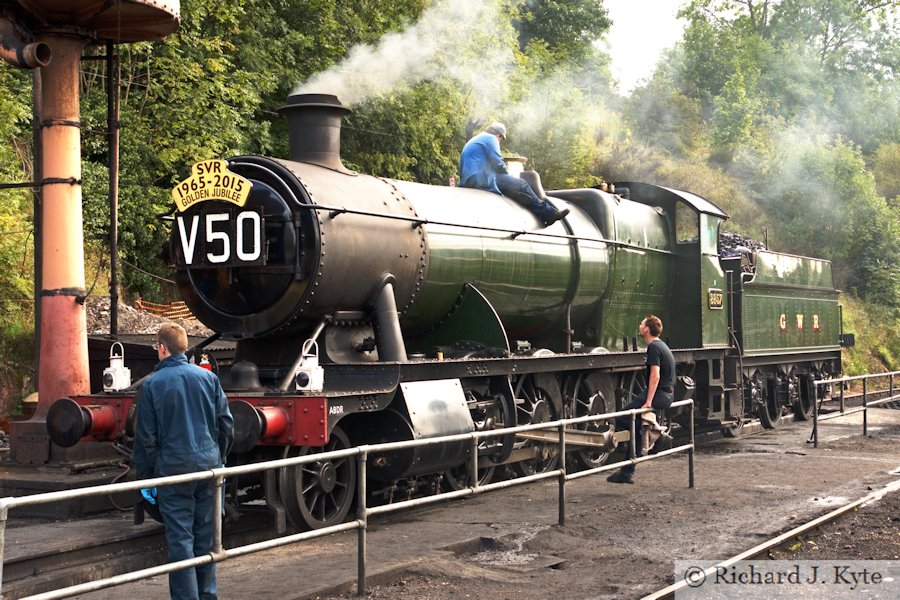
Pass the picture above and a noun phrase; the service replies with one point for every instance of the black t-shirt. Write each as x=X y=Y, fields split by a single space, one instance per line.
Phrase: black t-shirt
x=659 y=354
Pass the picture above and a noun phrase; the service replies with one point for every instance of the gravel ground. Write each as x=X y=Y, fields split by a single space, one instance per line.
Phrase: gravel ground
x=587 y=560
x=619 y=541
x=871 y=532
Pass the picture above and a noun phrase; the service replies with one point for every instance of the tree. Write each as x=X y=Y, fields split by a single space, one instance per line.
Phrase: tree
x=833 y=60
x=15 y=203
x=824 y=200
x=664 y=117
x=413 y=135
x=887 y=171
x=567 y=27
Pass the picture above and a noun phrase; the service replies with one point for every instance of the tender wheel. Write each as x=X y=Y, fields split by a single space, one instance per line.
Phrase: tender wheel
x=803 y=405
x=769 y=409
x=318 y=494
x=589 y=395
x=538 y=400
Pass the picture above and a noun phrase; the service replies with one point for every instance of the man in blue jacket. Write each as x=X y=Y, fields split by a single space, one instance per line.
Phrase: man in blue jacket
x=482 y=167
x=183 y=426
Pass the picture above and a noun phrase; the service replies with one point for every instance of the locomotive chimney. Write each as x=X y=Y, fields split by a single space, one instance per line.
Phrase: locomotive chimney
x=314 y=129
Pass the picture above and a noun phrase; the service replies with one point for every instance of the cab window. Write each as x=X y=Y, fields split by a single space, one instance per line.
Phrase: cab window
x=709 y=243
x=687 y=224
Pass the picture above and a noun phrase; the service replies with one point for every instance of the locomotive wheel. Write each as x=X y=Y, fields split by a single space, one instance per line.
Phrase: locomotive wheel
x=589 y=395
x=489 y=411
x=803 y=406
x=458 y=478
x=734 y=430
x=637 y=383
x=318 y=494
x=769 y=410
x=541 y=402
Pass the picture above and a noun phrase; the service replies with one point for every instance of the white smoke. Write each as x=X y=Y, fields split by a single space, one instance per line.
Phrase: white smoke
x=456 y=38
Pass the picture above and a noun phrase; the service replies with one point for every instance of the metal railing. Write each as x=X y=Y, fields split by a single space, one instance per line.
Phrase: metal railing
x=218 y=475
x=891 y=397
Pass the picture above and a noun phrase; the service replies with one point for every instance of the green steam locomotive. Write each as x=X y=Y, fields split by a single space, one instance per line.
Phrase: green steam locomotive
x=366 y=310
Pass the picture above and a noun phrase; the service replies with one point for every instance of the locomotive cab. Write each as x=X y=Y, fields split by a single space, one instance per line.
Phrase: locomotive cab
x=697 y=282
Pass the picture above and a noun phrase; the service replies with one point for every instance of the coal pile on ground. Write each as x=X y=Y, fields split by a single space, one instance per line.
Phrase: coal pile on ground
x=133 y=321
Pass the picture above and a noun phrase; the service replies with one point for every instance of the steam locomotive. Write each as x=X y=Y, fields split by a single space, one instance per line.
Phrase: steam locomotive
x=366 y=310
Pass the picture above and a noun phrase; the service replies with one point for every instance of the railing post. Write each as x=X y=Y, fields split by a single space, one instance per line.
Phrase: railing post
x=562 y=475
x=473 y=463
x=691 y=451
x=219 y=508
x=842 y=396
x=815 y=435
x=4 y=513
x=362 y=513
x=865 y=405
x=632 y=440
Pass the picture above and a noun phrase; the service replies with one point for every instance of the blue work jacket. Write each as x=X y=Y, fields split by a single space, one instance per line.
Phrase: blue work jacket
x=480 y=162
x=183 y=421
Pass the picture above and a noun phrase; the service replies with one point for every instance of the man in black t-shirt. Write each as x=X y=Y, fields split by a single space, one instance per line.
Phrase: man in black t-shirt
x=659 y=393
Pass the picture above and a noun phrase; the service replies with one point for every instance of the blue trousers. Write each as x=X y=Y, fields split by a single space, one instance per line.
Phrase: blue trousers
x=661 y=401
x=187 y=511
x=519 y=190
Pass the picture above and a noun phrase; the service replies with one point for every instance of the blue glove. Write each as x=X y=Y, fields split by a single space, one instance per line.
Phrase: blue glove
x=149 y=495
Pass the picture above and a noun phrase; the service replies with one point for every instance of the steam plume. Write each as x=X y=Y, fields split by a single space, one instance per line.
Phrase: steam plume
x=458 y=38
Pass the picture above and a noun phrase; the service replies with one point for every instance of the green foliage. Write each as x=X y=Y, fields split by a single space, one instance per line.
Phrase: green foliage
x=17 y=368
x=568 y=27
x=664 y=117
x=411 y=135
x=824 y=200
x=834 y=59
x=887 y=171
x=16 y=236
x=877 y=346
x=797 y=97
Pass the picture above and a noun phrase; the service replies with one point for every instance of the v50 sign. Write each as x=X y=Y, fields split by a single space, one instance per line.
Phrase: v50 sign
x=221 y=238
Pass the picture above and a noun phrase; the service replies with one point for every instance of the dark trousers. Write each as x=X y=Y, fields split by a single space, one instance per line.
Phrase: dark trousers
x=519 y=190
x=661 y=401
x=187 y=511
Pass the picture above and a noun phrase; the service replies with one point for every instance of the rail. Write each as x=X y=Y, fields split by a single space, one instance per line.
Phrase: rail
x=218 y=475
x=891 y=397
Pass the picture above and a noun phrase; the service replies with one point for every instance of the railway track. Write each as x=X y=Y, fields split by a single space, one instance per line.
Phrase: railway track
x=695 y=576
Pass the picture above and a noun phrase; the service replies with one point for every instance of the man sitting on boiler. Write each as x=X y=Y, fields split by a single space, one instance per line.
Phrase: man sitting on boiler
x=482 y=167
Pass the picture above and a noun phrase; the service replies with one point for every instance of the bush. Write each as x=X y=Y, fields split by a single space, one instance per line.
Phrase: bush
x=877 y=346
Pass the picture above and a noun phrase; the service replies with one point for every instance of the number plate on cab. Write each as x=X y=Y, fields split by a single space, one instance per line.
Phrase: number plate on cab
x=716 y=298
